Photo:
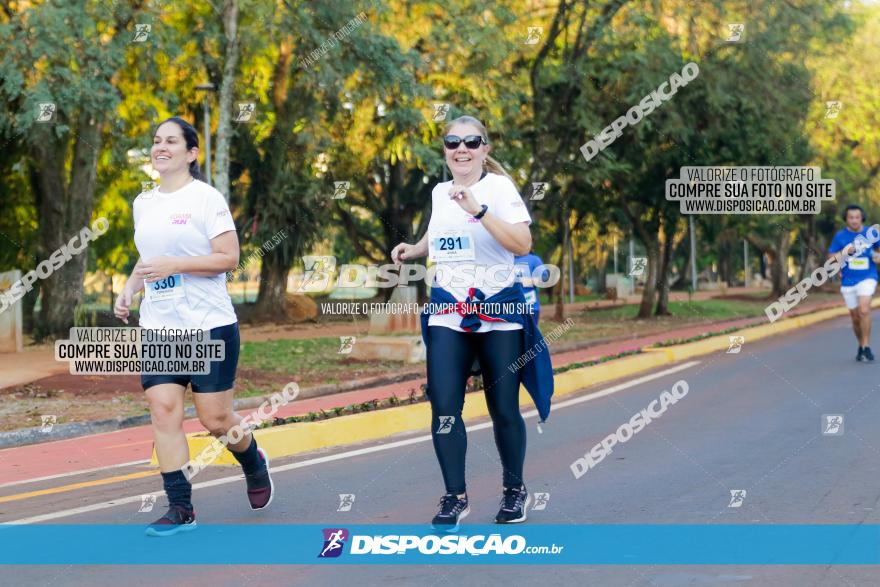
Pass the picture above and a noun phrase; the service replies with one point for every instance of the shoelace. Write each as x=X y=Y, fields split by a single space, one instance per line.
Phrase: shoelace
x=450 y=504
x=513 y=499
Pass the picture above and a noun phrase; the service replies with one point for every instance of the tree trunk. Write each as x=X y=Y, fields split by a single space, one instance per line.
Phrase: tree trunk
x=65 y=210
x=779 y=264
x=559 y=315
x=224 y=123
x=648 y=294
x=28 y=319
x=810 y=248
x=112 y=293
x=648 y=232
x=397 y=227
x=662 y=308
x=559 y=288
x=273 y=287
x=684 y=278
x=725 y=261
x=601 y=281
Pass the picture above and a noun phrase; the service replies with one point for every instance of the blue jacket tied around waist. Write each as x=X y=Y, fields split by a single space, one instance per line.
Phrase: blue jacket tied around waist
x=537 y=373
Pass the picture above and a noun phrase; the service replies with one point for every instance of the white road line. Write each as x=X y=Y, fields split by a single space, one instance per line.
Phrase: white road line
x=72 y=473
x=360 y=451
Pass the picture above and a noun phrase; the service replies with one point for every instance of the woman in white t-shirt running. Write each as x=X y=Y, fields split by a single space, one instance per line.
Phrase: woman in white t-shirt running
x=478 y=222
x=187 y=242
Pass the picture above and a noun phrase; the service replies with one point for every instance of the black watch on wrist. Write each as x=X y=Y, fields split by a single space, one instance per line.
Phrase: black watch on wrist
x=482 y=212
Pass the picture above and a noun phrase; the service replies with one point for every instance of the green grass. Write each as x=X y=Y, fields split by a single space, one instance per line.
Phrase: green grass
x=696 y=310
x=546 y=301
x=314 y=361
x=676 y=341
x=287 y=356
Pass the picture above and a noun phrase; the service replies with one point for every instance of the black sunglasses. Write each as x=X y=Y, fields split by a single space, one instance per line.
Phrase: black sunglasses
x=470 y=141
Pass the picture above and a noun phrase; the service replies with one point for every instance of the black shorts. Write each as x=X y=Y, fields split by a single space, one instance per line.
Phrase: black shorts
x=222 y=375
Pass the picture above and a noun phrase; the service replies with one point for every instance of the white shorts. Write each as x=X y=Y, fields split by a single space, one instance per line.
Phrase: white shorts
x=852 y=293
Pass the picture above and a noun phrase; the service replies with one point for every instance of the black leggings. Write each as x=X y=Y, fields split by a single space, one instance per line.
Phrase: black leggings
x=450 y=356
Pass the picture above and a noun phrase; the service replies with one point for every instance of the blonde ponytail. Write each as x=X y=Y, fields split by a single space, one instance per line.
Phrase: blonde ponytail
x=493 y=166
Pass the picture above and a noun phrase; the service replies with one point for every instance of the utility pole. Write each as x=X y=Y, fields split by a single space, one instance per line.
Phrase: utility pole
x=615 y=254
x=632 y=254
x=570 y=268
x=693 y=255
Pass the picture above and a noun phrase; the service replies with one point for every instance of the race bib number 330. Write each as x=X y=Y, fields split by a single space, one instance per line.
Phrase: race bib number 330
x=169 y=288
x=451 y=245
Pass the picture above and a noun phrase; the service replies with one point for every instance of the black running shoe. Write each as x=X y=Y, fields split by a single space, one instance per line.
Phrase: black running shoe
x=452 y=511
x=514 y=503
x=866 y=352
x=177 y=519
x=860 y=354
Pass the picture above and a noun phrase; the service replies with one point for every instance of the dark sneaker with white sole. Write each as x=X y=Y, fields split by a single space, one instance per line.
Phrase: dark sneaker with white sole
x=452 y=511
x=514 y=503
x=177 y=519
x=260 y=488
x=867 y=354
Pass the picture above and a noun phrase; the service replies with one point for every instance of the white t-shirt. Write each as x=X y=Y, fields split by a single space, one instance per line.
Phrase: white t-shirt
x=504 y=201
x=179 y=224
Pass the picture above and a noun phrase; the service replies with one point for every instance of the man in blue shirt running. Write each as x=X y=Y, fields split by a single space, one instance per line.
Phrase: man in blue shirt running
x=859 y=277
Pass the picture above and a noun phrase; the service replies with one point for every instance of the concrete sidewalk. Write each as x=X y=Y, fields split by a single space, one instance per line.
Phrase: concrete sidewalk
x=33 y=363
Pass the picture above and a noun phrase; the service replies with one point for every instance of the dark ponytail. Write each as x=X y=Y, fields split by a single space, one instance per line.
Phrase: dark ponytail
x=192 y=141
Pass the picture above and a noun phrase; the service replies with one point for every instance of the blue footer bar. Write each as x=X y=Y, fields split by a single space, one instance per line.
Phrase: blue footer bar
x=647 y=544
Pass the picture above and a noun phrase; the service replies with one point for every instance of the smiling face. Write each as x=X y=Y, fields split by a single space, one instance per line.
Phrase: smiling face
x=463 y=161
x=169 y=153
x=854 y=220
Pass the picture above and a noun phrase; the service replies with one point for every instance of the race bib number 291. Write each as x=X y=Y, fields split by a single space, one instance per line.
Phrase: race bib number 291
x=169 y=288
x=451 y=245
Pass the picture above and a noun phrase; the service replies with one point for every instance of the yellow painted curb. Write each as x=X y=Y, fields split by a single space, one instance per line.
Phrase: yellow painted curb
x=689 y=350
x=300 y=437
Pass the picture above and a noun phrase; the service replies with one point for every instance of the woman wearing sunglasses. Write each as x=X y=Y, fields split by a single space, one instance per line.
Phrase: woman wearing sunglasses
x=478 y=223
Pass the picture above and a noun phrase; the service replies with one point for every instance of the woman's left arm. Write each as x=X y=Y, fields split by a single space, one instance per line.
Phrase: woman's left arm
x=223 y=258
x=515 y=237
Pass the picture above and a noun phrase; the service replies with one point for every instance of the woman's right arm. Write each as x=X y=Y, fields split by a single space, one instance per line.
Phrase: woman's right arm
x=135 y=281
x=407 y=252
x=133 y=285
x=421 y=247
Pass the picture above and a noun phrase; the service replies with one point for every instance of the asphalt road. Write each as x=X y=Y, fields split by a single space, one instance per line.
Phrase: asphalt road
x=751 y=421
